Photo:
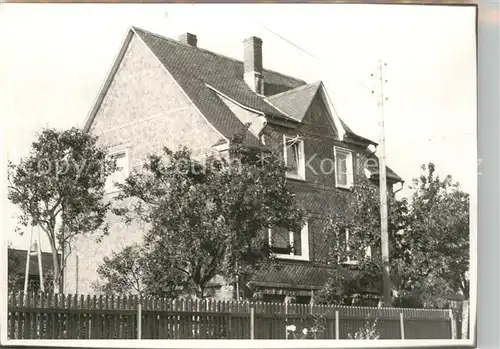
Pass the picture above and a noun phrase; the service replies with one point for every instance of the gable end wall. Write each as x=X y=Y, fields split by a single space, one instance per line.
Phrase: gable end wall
x=143 y=110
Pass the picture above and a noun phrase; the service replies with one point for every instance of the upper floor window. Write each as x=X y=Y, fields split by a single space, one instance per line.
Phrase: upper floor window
x=289 y=245
x=121 y=173
x=294 y=157
x=344 y=169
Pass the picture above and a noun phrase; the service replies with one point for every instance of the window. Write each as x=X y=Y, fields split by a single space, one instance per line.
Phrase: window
x=344 y=245
x=34 y=283
x=121 y=172
x=300 y=299
x=289 y=245
x=273 y=298
x=294 y=157
x=344 y=171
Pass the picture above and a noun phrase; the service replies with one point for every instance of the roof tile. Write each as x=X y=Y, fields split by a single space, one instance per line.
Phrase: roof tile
x=194 y=68
x=298 y=275
x=295 y=102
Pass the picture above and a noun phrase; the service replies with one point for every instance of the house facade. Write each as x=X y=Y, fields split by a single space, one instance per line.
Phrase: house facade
x=164 y=92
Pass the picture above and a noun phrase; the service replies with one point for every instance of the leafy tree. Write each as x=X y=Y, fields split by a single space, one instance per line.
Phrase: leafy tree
x=15 y=272
x=59 y=186
x=362 y=273
x=438 y=238
x=206 y=217
x=123 y=272
x=429 y=244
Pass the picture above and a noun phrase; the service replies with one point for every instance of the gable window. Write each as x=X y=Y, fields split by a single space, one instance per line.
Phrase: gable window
x=289 y=245
x=344 y=169
x=121 y=172
x=294 y=157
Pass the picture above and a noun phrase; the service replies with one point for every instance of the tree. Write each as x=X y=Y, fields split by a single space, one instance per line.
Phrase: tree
x=207 y=217
x=438 y=238
x=15 y=272
x=59 y=186
x=123 y=272
x=429 y=244
x=348 y=282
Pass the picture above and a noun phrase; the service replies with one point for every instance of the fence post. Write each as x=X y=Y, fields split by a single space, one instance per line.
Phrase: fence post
x=286 y=318
x=465 y=319
x=453 y=324
x=139 y=320
x=252 y=323
x=337 y=324
x=402 y=325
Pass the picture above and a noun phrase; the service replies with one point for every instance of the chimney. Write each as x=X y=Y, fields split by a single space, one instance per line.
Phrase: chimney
x=188 y=39
x=253 y=64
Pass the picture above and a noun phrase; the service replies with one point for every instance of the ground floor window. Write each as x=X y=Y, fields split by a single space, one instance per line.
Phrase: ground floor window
x=300 y=300
x=289 y=245
x=273 y=298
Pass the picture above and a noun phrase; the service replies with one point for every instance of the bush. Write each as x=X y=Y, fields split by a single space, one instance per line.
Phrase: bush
x=368 y=331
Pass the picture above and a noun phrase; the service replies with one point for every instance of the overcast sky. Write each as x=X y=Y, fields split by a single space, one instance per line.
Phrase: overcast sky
x=54 y=58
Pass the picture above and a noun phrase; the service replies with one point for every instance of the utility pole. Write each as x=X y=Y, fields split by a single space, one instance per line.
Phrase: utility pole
x=381 y=99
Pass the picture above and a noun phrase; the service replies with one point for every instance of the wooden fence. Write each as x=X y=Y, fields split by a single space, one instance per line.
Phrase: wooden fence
x=39 y=316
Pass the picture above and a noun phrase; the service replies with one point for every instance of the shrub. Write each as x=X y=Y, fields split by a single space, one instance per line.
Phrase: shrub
x=368 y=331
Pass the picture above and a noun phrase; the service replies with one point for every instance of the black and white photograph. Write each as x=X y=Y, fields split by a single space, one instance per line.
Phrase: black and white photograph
x=239 y=171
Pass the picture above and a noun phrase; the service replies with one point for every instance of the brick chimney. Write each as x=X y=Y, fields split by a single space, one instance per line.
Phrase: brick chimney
x=188 y=39
x=252 y=59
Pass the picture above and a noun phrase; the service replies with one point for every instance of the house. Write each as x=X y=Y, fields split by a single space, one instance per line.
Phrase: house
x=164 y=92
x=17 y=269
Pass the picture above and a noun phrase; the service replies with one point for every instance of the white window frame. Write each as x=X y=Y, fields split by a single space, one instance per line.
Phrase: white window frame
x=301 y=170
x=304 y=245
x=349 y=261
x=126 y=168
x=349 y=166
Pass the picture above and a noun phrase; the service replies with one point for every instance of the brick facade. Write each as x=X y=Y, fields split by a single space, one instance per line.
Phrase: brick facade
x=318 y=193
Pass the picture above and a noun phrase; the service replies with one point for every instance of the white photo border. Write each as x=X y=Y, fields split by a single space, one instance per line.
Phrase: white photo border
x=487 y=199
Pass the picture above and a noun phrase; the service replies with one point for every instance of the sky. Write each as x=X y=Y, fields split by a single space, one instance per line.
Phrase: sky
x=54 y=58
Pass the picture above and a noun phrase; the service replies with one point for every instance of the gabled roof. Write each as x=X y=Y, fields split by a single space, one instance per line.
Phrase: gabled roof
x=198 y=72
x=18 y=257
x=194 y=67
x=296 y=102
x=390 y=174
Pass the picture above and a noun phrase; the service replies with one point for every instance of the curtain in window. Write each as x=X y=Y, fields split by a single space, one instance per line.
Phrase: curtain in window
x=341 y=167
x=297 y=244
x=280 y=240
x=292 y=157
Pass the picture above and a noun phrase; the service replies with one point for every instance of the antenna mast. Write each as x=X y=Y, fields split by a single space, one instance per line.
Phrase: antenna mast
x=381 y=99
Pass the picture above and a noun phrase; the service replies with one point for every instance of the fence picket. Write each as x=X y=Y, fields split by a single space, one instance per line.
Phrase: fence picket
x=58 y=316
x=20 y=318
x=129 y=324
